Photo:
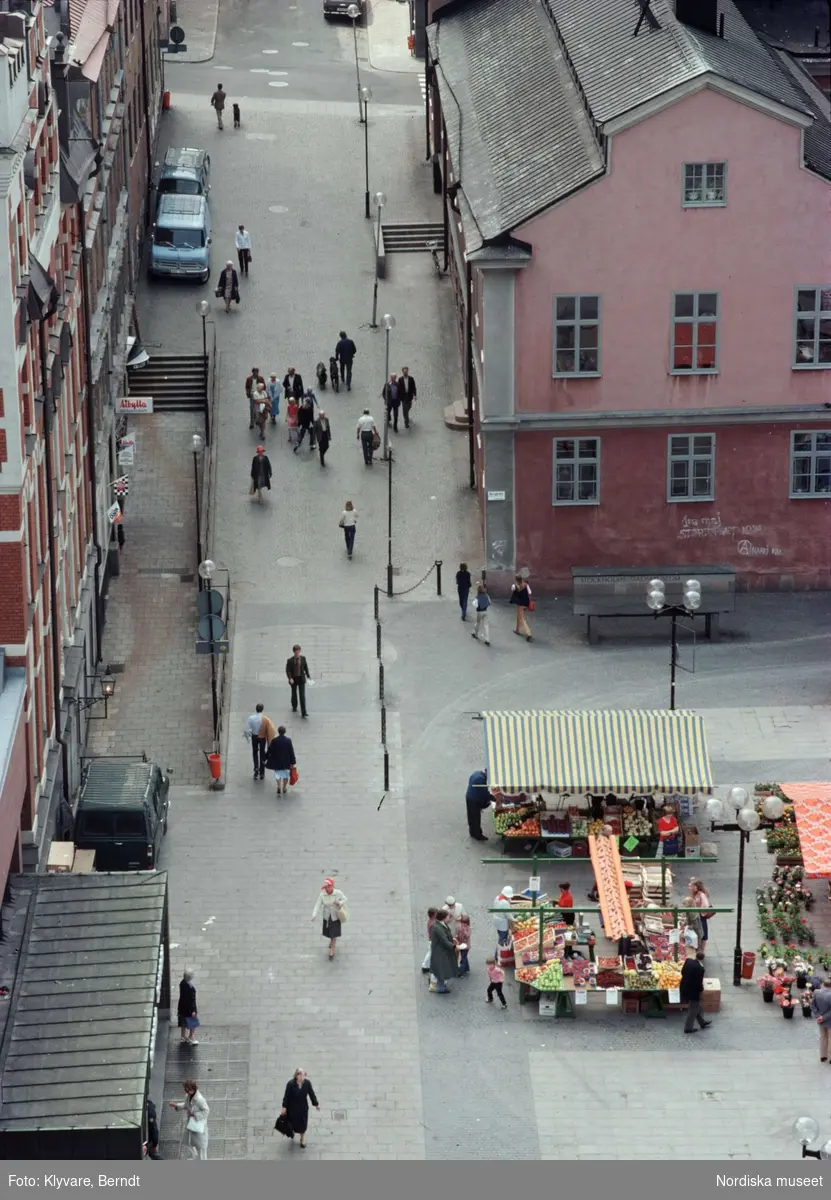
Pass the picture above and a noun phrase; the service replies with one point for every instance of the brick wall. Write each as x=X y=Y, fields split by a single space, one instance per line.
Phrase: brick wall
x=12 y=799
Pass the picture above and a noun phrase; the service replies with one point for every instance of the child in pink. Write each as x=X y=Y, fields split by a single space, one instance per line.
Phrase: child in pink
x=496 y=977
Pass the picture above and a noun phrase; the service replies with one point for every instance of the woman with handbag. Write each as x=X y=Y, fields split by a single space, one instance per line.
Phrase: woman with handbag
x=295 y=1110
x=280 y=759
x=186 y=1009
x=260 y=474
x=227 y=288
x=348 y=523
x=196 y=1107
x=704 y=905
x=332 y=903
x=521 y=597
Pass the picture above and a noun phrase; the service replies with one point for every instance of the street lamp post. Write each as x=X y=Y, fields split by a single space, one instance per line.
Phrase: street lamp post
x=380 y=201
x=366 y=96
x=390 y=460
x=656 y=601
x=204 y=309
x=747 y=820
x=388 y=323
x=805 y=1131
x=198 y=448
x=354 y=13
x=207 y=570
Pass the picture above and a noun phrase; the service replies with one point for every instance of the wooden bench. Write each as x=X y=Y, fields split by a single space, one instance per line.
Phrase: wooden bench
x=600 y=592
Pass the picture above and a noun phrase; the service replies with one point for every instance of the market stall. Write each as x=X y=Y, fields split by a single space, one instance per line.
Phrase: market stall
x=812 y=810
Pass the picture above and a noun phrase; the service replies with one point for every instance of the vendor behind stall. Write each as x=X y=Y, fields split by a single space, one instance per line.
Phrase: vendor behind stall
x=669 y=832
x=566 y=901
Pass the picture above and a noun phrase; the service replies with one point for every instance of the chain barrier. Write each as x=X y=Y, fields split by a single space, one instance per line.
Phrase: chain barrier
x=437 y=565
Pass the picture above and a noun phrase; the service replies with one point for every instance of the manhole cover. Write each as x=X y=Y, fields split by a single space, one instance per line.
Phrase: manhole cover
x=289 y=562
x=339 y=1114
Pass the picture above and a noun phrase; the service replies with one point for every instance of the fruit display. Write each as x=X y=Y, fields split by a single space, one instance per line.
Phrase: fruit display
x=610 y=979
x=636 y=824
x=528 y=974
x=638 y=981
x=550 y=978
x=596 y=828
x=529 y=828
x=504 y=821
x=667 y=974
x=531 y=941
x=608 y=964
x=524 y=928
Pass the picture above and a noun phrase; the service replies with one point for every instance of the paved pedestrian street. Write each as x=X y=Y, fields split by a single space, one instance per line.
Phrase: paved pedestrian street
x=402 y=1073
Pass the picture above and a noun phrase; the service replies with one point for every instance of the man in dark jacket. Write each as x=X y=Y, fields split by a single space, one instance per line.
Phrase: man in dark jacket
x=408 y=392
x=297 y=672
x=305 y=422
x=293 y=385
x=477 y=798
x=392 y=398
x=281 y=758
x=152 y=1130
x=692 y=985
x=345 y=352
x=323 y=433
x=442 y=954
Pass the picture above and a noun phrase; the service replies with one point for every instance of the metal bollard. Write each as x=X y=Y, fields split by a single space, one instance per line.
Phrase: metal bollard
x=383 y=725
x=381 y=682
x=438 y=576
x=378 y=639
x=376 y=601
x=386 y=770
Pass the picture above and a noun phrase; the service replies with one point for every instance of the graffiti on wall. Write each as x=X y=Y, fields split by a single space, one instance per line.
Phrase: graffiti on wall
x=697 y=528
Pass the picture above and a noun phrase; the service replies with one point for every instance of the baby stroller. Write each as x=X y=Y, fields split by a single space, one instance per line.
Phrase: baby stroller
x=322 y=377
x=333 y=371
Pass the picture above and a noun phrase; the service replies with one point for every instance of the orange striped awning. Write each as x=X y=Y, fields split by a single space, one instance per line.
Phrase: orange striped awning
x=812 y=807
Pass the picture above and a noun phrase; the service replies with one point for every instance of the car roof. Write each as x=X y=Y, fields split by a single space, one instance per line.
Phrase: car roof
x=184 y=211
x=185 y=158
x=117 y=785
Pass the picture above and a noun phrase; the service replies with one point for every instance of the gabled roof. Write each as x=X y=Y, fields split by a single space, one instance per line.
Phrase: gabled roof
x=527 y=88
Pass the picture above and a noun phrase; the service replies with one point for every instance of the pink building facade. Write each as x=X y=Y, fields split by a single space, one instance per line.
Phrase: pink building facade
x=649 y=367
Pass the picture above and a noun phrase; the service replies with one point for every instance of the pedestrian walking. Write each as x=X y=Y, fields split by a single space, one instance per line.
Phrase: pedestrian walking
x=261 y=405
x=408 y=391
x=293 y=385
x=693 y=931
x=463 y=587
x=152 y=1130
x=305 y=423
x=345 y=352
x=323 y=434
x=298 y=1093
x=521 y=597
x=496 y=977
x=227 y=287
x=260 y=474
x=692 y=986
x=702 y=902
x=186 y=1012
x=477 y=799
x=218 y=104
x=252 y=382
x=331 y=902
x=280 y=758
x=481 y=603
x=391 y=396
x=442 y=954
x=432 y=913
x=348 y=523
x=821 y=1008
x=462 y=939
x=242 y=239
x=368 y=435
x=504 y=922
x=259 y=730
x=196 y=1107
x=292 y=430
x=274 y=390
x=297 y=672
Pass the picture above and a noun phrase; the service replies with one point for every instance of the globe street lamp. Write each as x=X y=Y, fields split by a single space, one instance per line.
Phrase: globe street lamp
x=806 y=1130
x=656 y=600
x=380 y=201
x=354 y=13
x=366 y=96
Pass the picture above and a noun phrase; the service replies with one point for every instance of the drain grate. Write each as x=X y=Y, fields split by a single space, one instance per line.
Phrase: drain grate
x=339 y=1114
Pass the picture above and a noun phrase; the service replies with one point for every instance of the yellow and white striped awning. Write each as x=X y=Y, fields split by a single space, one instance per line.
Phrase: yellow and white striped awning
x=614 y=751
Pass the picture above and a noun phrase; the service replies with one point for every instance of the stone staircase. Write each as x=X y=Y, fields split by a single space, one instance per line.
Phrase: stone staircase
x=177 y=382
x=408 y=238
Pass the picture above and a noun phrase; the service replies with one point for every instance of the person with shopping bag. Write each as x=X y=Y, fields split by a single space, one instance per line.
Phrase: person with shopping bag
x=196 y=1128
x=280 y=758
x=331 y=902
x=295 y=1110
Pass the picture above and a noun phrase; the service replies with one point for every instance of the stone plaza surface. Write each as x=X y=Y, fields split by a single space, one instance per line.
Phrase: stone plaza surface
x=401 y=1073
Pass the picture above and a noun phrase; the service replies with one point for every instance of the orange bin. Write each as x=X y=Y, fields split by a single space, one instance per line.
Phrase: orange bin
x=748 y=964
x=215 y=765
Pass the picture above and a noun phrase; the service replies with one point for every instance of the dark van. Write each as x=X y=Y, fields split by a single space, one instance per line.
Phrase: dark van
x=122 y=814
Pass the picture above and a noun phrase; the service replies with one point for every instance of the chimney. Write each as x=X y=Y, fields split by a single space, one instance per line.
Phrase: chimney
x=698 y=14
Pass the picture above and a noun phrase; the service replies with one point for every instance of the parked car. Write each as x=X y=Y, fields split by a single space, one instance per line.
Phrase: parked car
x=339 y=8
x=185 y=172
x=122 y=814
x=181 y=246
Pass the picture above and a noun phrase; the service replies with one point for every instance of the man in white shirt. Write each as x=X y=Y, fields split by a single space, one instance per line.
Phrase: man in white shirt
x=243 y=242
x=260 y=731
x=366 y=431
x=502 y=921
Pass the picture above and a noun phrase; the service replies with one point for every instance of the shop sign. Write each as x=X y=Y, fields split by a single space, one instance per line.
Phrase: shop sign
x=496 y=495
x=134 y=404
x=580 y=997
x=126 y=458
x=534 y=883
x=675 y=995
x=114 y=513
x=611 y=997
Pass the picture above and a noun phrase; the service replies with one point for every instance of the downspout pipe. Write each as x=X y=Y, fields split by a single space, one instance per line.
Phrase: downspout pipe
x=469 y=369
x=88 y=401
x=144 y=83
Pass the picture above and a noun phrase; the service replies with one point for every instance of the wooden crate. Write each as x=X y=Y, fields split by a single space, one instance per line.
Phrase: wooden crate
x=61 y=858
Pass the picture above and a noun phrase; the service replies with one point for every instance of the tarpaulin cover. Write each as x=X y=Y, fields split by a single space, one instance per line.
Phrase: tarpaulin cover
x=812 y=806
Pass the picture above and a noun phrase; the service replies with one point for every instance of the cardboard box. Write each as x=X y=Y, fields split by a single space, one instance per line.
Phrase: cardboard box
x=61 y=857
x=711 y=996
x=692 y=842
x=84 y=863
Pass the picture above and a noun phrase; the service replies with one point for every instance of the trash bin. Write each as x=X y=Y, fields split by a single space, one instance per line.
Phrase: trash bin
x=166 y=100
x=215 y=765
x=748 y=964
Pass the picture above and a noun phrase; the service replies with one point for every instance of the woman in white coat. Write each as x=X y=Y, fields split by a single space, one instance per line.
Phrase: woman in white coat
x=332 y=903
x=196 y=1107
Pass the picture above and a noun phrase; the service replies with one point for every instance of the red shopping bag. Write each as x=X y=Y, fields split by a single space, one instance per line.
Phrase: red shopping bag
x=293 y=776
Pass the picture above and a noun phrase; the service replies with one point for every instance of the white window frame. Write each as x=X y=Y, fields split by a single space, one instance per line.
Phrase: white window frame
x=694 y=321
x=691 y=457
x=810 y=456
x=816 y=316
x=705 y=168
x=575 y=462
x=576 y=324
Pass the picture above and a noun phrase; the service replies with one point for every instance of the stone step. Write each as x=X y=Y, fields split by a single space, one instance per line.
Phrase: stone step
x=455 y=415
x=412 y=237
